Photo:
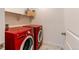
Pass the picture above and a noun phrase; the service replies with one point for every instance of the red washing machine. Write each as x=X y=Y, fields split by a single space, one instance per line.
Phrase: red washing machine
x=19 y=38
x=38 y=35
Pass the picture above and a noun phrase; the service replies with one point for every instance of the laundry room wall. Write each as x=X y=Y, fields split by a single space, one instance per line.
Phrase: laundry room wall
x=71 y=16
x=52 y=20
x=15 y=20
x=2 y=26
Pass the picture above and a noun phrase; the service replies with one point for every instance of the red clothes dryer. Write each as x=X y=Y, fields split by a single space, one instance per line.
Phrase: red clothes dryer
x=38 y=35
x=19 y=38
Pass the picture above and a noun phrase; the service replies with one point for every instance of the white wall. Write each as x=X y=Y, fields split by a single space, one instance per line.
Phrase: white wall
x=13 y=20
x=71 y=16
x=2 y=24
x=52 y=20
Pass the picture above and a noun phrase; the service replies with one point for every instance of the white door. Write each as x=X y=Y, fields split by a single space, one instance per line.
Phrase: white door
x=72 y=27
x=2 y=26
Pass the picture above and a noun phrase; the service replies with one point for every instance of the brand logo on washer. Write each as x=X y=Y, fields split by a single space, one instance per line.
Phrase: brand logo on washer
x=28 y=32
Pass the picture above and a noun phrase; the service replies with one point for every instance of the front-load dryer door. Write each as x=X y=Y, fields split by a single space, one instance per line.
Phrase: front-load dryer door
x=40 y=37
x=28 y=43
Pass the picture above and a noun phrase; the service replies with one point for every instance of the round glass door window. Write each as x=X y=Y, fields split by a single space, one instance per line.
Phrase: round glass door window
x=40 y=37
x=28 y=45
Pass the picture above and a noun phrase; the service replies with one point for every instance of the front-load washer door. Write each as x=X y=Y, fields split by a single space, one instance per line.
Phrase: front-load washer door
x=28 y=43
x=40 y=36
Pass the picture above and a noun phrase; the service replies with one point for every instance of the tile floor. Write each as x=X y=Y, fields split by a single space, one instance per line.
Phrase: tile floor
x=49 y=47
